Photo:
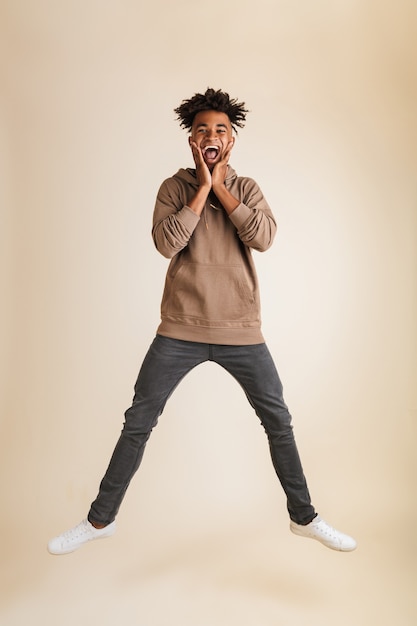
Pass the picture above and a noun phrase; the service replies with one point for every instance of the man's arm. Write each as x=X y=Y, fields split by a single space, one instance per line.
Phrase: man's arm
x=173 y=221
x=253 y=218
x=248 y=210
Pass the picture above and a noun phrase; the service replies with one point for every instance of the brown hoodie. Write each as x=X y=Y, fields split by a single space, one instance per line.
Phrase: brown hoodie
x=211 y=292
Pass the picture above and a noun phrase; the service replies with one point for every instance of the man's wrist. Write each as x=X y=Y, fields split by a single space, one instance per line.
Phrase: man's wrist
x=229 y=202
x=219 y=187
x=196 y=204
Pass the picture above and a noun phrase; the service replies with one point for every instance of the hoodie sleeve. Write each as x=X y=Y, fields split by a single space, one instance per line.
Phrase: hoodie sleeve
x=173 y=221
x=253 y=218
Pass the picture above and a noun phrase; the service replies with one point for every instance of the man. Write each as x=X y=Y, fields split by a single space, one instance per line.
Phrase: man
x=208 y=220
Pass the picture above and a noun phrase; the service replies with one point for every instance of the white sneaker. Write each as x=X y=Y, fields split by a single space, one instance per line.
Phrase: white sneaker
x=75 y=537
x=320 y=530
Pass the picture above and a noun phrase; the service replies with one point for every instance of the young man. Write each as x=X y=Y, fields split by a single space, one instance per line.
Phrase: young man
x=208 y=220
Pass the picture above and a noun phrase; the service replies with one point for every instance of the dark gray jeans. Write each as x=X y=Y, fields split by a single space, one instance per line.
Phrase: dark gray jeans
x=165 y=365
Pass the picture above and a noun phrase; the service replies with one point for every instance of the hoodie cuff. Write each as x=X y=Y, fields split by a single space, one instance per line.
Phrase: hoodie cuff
x=240 y=215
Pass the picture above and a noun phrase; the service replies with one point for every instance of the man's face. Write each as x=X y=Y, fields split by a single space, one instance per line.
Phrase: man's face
x=212 y=132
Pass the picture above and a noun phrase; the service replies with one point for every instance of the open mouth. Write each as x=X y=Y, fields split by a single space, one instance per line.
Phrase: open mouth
x=211 y=153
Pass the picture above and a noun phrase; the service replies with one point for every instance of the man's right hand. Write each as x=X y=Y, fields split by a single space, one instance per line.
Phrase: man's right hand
x=203 y=175
x=202 y=171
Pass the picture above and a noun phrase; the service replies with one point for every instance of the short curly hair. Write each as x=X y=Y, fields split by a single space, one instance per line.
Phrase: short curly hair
x=211 y=100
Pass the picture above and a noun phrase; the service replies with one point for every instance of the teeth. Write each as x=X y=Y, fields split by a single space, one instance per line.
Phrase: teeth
x=210 y=148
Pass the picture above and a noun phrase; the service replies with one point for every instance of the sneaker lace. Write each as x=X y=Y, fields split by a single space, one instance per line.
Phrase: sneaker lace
x=75 y=533
x=328 y=530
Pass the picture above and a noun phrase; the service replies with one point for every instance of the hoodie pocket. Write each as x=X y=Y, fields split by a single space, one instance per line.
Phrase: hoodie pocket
x=212 y=294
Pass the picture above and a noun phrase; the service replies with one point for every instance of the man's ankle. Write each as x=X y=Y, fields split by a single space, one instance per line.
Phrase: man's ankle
x=97 y=525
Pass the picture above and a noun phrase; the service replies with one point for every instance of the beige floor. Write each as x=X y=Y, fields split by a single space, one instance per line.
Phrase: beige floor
x=225 y=577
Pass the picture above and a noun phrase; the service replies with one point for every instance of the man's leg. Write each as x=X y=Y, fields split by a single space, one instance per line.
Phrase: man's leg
x=166 y=363
x=253 y=368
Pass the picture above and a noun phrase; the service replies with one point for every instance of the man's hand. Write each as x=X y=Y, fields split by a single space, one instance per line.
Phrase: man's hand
x=202 y=171
x=197 y=203
x=219 y=173
x=218 y=177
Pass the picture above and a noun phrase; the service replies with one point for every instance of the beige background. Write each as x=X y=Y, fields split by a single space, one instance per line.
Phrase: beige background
x=87 y=135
